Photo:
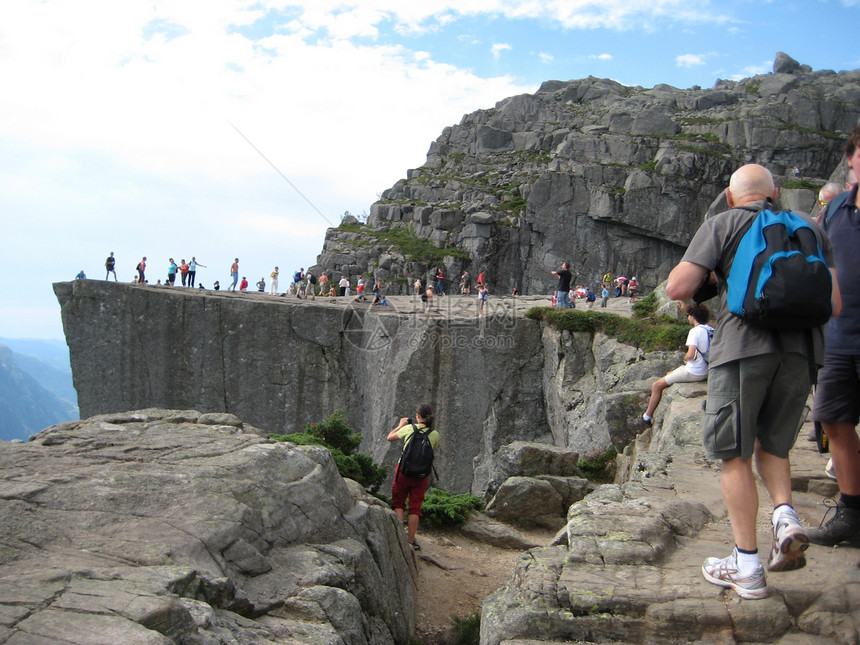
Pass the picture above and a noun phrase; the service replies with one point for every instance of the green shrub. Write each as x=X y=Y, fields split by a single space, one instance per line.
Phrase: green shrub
x=700 y=151
x=646 y=306
x=442 y=508
x=468 y=629
x=415 y=248
x=800 y=183
x=514 y=205
x=649 y=165
x=341 y=441
x=349 y=228
x=600 y=467
x=648 y=333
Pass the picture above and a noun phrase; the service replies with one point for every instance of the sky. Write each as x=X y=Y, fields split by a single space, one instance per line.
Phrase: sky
x=233 y=128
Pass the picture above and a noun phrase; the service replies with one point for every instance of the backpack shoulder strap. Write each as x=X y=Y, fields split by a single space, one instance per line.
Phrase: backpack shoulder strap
x=835 y=204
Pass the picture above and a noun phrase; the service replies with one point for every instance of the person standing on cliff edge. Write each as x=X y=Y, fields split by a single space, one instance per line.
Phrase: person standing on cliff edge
x=412 y=488
x=141 y=271
x=110 y=265
x=192 y=270
x=234 y=275
x=564 y=277
x=274 y=276
x=758 y=384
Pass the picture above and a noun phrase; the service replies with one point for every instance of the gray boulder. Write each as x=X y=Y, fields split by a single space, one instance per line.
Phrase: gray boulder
x=537 y=501
x=785 y=64
x=484 y=529
x=528 y=459
x=166 y=526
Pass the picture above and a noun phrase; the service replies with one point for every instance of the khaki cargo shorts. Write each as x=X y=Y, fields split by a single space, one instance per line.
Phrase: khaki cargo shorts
x=755 y=398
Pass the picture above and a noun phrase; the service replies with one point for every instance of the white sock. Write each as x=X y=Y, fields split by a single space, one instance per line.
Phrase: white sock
x=747 y=562
x=647 y=417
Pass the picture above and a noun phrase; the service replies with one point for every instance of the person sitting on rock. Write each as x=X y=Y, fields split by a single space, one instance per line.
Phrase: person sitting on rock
x=695 y=367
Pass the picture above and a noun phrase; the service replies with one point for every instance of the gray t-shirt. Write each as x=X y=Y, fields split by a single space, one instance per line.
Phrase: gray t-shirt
x=734 y=339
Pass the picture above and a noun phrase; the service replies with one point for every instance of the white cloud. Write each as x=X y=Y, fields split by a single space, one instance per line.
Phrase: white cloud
x=600 y=56
x=689 y=60
x=498 y=48
x=115 y=129
x=545 y=58
x=753 y=70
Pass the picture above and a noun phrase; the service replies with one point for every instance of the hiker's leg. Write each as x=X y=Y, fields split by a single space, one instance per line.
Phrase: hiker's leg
x=741 y=499
x=775 y=473
x=656 y=395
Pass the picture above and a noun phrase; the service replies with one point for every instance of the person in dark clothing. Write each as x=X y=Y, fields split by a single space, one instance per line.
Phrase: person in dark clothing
x=564 y=277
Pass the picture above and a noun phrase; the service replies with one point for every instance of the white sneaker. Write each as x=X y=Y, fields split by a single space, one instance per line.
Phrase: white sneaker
x=829 y=470
x=724 y=573
x=789 y=543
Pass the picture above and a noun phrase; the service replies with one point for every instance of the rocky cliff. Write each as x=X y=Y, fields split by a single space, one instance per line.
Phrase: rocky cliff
x=626 y=566
x=280 y=363
x=157 y=527
x=600 y=174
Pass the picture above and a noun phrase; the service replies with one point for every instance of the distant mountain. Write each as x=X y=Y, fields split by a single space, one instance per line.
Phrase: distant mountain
x=47 y=361
x=34 y=394
x=52 y=351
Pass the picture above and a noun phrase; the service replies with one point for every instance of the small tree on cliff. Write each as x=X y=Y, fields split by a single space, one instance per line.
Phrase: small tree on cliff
x=341 y=441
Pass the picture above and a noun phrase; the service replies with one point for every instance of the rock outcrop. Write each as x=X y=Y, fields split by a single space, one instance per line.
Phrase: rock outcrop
x=606 y=176
x=281 y=363
x=161 y=526
x=626 y=567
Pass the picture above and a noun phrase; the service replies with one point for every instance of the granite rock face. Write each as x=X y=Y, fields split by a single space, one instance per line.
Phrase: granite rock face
x=606 y=176
x=626 y=567
x=172 y=526
x=280 y=363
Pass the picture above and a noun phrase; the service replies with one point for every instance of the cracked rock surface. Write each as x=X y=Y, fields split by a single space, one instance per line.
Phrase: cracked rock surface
x=165 y=526
x=627 y=567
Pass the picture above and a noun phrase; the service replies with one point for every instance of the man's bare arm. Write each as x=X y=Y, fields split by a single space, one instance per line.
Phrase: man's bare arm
x=685 y=280
x=835 y=295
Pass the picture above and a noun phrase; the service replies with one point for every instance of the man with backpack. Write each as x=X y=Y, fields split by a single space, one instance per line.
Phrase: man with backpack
x=695 y=367
x=758 y=381
x=412 y=473
x=837 y=398
x=297 y=282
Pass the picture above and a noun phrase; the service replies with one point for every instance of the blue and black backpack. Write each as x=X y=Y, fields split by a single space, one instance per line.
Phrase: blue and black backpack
x=779 y=278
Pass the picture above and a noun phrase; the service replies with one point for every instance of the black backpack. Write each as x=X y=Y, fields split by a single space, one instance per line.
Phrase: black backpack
x=313 y=278
x=416 y=460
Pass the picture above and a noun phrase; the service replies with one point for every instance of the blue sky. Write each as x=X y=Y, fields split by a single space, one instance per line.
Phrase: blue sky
x=118 y=122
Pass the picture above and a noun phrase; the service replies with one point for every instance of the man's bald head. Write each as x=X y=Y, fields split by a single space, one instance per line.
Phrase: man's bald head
x=750 y=183
x=828 y=191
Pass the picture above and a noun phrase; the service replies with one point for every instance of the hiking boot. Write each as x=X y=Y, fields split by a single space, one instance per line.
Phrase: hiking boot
x=789 y=543
x=844 y=525
x=724 y=573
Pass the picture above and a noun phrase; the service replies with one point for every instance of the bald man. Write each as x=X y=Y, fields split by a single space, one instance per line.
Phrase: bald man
x=757 y=387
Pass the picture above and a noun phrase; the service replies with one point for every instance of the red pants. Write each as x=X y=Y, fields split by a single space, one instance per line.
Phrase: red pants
x=408 y=487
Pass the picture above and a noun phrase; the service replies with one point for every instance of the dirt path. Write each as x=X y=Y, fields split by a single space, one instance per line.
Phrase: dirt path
x=455 y=574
